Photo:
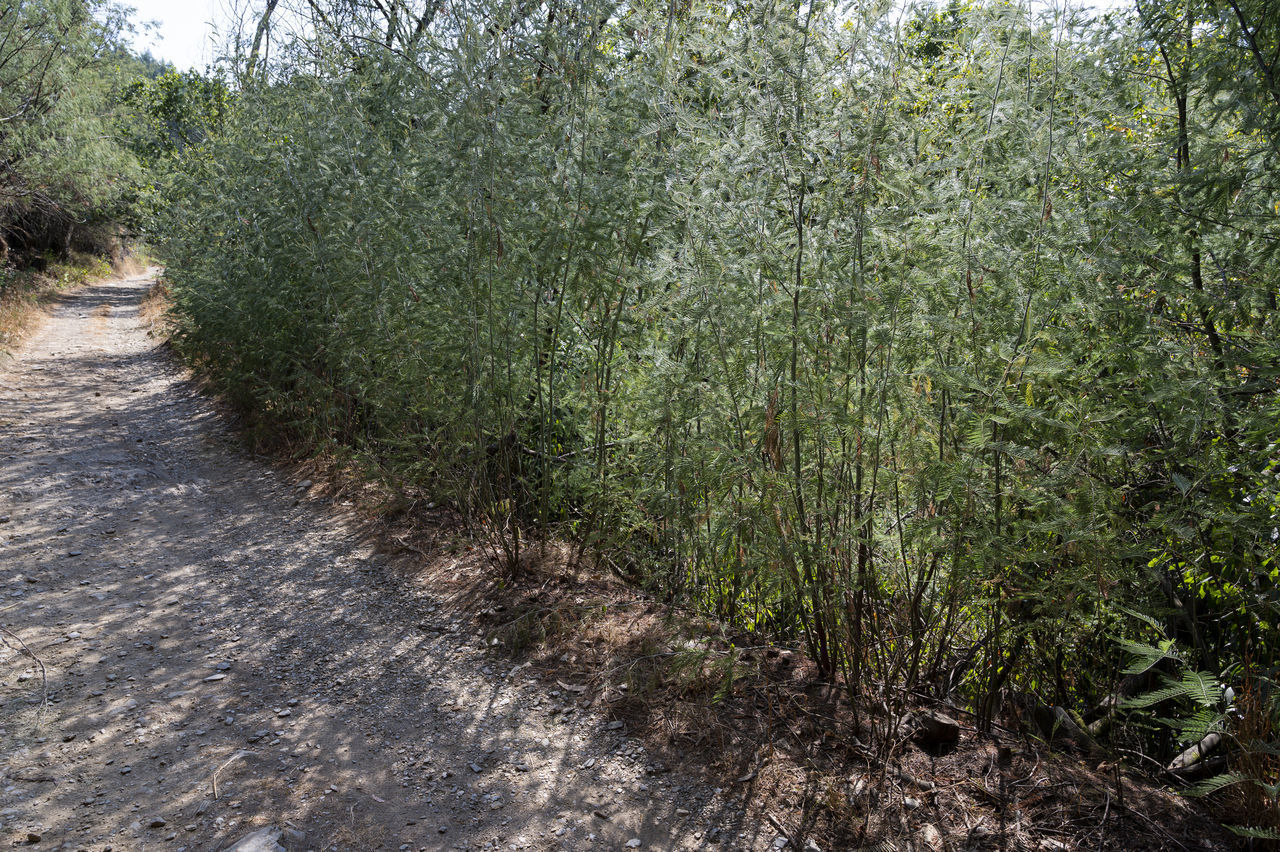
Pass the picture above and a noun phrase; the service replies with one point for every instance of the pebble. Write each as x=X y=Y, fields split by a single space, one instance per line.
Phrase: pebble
x=262 y=840
x=633 y=843
x=930 y=840
x=213 y=677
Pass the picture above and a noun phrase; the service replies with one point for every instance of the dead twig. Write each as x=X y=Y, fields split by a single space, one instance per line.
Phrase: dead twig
x=907 y=778
x=1155 y=825
x=1102 y=826
x=233 y=758
x=782 y=829
x=44 y=674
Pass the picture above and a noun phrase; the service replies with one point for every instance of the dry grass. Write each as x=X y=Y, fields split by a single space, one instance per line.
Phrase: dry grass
x=758 y=721
x=21 y=303
x=26 y=294
x=154 y=309
x=1255 y=802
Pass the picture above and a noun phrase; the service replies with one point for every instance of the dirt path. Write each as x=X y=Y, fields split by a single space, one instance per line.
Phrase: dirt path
x=224 y=653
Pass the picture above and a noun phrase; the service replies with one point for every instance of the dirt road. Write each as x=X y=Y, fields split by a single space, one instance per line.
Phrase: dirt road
x=218 y=652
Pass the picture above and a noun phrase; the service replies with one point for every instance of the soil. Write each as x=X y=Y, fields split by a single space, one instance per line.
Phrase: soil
x=196 y=646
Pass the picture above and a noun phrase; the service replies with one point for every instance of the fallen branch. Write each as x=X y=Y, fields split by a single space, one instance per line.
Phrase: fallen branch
x=907 y=778
x=782 y=829
x=1193 y=755
x=1201 y=769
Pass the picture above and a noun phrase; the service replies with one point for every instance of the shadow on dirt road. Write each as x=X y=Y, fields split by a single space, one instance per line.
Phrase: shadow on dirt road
x=215 y=651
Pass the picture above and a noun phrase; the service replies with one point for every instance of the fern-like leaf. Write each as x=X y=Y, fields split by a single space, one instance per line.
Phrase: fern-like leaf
x=1254 y=833
x=1144 y=657
x=1158 y=696
x=1216 y=783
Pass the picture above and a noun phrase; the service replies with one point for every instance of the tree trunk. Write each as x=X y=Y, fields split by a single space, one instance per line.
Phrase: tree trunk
x=264 y=24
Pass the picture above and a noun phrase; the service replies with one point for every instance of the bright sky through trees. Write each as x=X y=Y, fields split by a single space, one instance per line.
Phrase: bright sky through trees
x=184 y=31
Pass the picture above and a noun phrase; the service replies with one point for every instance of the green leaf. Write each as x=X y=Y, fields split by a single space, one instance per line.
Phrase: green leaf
x=1255 y=833
x=1216 y=783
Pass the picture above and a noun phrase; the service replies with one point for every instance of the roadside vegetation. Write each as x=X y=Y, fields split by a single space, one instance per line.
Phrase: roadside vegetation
x=941 y=342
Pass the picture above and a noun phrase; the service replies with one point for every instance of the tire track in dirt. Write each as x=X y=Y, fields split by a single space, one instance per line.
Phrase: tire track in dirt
x=224 y=654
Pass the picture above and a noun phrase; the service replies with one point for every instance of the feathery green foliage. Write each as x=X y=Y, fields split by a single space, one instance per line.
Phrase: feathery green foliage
x=936 y=339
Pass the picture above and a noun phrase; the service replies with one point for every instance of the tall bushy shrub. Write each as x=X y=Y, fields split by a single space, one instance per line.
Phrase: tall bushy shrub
x=65 y=179
x=867 y=327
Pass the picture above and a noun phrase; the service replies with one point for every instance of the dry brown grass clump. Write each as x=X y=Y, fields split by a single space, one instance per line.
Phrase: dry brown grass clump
x=154 y=309
x=25 y=294
x=22 y=297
